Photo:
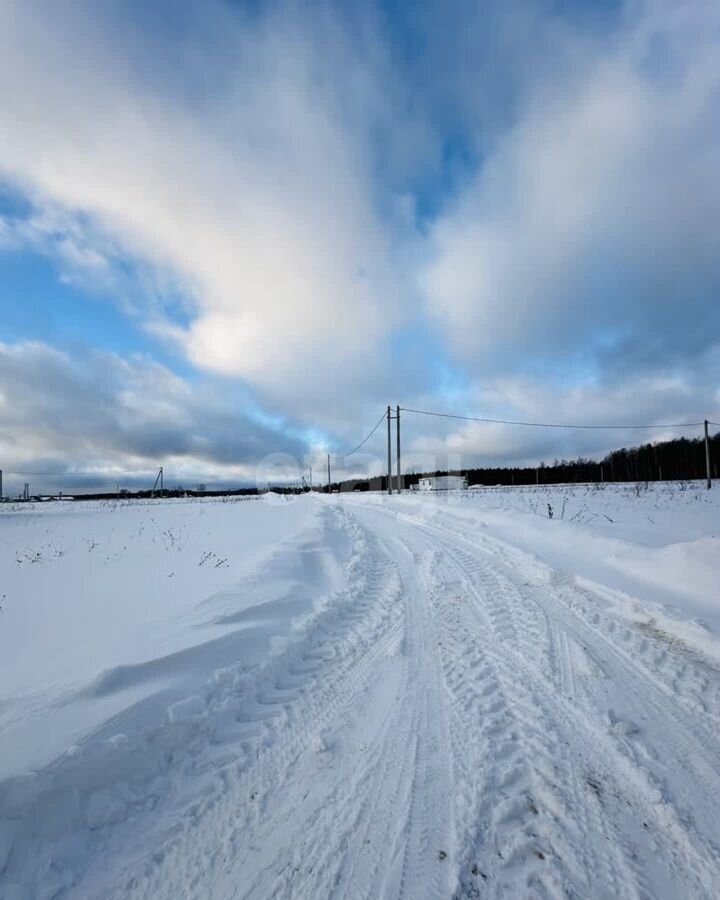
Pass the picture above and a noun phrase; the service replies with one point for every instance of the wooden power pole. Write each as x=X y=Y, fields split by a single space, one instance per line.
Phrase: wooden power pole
x=707 y=456
x=399 y=473
x=389 y=475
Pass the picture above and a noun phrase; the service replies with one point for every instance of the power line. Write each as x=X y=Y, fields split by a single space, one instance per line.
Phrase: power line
x=425 y=412
x=364 y=441
x=108 y=476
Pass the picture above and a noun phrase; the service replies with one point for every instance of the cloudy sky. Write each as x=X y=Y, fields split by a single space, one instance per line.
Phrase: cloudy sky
x=233 y=231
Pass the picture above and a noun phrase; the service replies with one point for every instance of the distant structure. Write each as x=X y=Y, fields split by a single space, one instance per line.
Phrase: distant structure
x=443 y=483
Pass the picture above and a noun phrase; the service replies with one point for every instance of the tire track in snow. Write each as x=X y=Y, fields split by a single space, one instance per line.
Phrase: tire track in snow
x=503 y=844
x=628 y=762
x=677 y=668
x=327 y=838
x=508 y=847
x=222 y=834
x=347 y=847
x=369 y=858
x=428 y=836
x=382 y=834
x=442 y=729
x=522 y=594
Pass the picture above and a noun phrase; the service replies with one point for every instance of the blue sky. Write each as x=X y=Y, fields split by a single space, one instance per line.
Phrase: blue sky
x=231 y=230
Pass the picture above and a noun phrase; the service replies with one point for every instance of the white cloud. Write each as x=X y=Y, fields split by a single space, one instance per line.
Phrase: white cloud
x=263 y=172
x=257 y=196
x=596 y=216
x=116 y=416
x=665 y=395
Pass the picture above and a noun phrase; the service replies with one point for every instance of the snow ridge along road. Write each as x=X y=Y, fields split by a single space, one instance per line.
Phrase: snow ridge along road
x=452 y=718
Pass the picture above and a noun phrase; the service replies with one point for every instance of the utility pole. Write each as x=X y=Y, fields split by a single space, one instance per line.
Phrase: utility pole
x=162 y=489
x=707 y=456
x=328 y=473
x=1 y=493
x=399 y=473
x=389 y=475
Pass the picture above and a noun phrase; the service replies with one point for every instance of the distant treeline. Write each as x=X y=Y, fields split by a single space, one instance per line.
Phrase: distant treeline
x=681 y=459
x=126 y=494
x=667 y=461
x=168 y=492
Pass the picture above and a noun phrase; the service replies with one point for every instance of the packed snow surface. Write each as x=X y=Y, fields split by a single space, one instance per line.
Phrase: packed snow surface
x=499 y=693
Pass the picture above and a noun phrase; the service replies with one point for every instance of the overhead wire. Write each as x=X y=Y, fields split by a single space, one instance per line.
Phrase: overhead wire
x=425 y=412
x=364 y=441
x=421 y=412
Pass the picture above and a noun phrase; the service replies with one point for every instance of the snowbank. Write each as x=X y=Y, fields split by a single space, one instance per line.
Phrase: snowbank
x=106 y=603
x=651 y=551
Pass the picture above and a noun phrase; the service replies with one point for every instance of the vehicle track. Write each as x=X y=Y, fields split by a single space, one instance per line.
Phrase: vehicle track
x=635 y=762
x=457 y=722
x=226 y=832
x=522 y=831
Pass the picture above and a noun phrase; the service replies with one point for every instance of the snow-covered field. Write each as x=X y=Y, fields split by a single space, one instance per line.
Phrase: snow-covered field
x=362 y=696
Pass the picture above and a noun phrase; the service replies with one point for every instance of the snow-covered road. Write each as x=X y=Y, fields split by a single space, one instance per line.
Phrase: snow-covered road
x=454 y=718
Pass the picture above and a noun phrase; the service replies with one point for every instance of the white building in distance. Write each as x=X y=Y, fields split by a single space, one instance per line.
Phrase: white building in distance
x=443 y=483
